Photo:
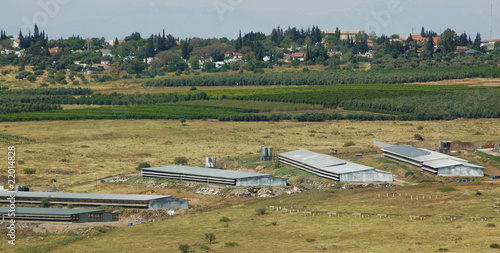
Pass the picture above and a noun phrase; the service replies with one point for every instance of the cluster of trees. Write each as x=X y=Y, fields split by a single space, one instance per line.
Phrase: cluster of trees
x=449 y=106
x=420 y=74
x=130 y=112
x=308 y=116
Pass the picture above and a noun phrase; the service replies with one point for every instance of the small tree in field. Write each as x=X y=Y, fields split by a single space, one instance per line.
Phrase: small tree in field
x=210 y=237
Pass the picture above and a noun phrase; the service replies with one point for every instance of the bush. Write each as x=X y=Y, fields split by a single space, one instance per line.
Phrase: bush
x=420 y=127
x=224 y=219
x=70 y=206
x=64 y=160
x=478 y=193
x=29 y=171
x=193 y=88
x=349 y=144
x=443 y=249
x=31 y=78
x=446 y=189
x=45 y=202
x=494 y=246
x=231 y=244
x=143 y=165
x=210 y=237
x=490 y=225
x=409 y=174
x=184 y=248
x=418 y=137
x=181 y=160
x=261 y=211
x=310 y=240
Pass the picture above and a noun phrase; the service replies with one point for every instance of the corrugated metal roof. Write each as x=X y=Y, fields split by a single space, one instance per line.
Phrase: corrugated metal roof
x=32 y=210
x=230 y=174
x=70 y=195
x=407 y=151
x=324 y=162
x=426 y=157
x=442 y=163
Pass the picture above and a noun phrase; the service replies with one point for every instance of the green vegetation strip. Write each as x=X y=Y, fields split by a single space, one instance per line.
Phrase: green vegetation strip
x=130 y=112
x=388 y=76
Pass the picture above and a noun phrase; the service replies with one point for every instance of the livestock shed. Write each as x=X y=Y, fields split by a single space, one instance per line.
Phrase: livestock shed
x=333 y=168
x=213 y=176
x=431 y=161
x=151 y=202
x=59 y=214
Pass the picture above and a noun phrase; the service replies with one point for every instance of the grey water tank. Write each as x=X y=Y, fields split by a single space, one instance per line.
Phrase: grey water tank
x=270 y=153
x=264 y=153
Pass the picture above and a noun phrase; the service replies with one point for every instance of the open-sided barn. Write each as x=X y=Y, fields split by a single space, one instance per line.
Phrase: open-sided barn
x=58 y=214
x=332 y=168
x=151 y=202
x=214 y=176
x=438 y=163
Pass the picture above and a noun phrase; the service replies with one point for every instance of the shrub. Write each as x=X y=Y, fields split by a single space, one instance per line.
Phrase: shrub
x=29 y=171
x=70 y=206
x=490 y=225
x=45 y=202
x=224 y=219
x=409 y=174
x=310 y=240
x=274 y=223
x=193 y=88
x=64 y=160
x=210 y=237
x=181 y=160
x=261 y=211
x=31 y=78
x=494 y=246
x=418 y=137
x=349 y=144
x=184 y=248
x=143 y=165
x=204 y=247
x=231 y=244
x=446 y=189
x=478 y=193
x=443 y=249
x=420 y=127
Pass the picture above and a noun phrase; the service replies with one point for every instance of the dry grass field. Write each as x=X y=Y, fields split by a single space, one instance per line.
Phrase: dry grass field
x=78 y=152
x=277 y=231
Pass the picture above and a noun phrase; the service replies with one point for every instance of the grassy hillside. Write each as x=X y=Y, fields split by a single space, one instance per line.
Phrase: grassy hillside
x=277 y=231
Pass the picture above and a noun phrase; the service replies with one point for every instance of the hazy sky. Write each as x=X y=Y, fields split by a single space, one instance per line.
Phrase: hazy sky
x=219 y=18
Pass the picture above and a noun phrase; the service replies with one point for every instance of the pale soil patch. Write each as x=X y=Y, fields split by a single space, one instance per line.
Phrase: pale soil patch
x=488 y=82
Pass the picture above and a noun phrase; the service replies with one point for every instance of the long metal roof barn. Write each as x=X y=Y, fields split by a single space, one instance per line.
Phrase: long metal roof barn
x=151 y=202
x=435 y=162
x=58 y=214
x=217 y=176
x=332 y=168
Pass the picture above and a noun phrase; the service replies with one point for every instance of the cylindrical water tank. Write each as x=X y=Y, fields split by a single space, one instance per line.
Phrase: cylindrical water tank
x=270 y=153
x=264 y=153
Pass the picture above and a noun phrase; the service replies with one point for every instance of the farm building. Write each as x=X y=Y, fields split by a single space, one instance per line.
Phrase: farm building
x=213 y=176
x=332 y=168
x=59 y=214
x=151 y=202
x=431 y=161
